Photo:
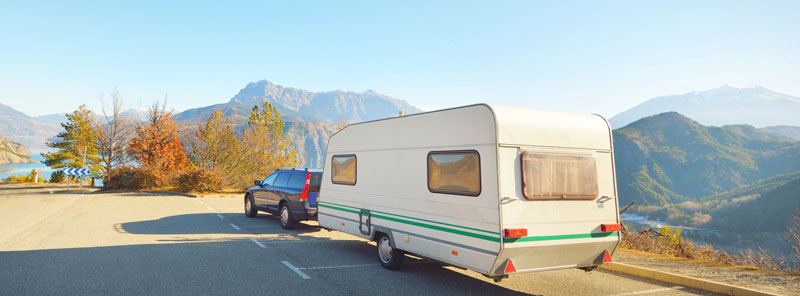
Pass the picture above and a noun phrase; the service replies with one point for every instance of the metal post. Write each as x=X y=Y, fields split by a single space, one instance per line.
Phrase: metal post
x=83 y=166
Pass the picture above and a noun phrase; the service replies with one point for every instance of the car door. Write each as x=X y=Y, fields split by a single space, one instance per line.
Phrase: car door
x=273 y=194
x=260 y=195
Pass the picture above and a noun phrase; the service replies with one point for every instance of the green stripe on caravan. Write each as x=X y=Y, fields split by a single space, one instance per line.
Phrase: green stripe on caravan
x=415 y=218
x=357 y=211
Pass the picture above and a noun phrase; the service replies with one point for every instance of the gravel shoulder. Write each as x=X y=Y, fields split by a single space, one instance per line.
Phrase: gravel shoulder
x=739 y=276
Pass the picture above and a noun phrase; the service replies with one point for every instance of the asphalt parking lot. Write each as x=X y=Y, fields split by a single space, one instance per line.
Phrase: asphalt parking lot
x=144 y=244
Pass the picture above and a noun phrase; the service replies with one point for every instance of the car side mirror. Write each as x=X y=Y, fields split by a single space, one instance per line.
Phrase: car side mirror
x=257 y=182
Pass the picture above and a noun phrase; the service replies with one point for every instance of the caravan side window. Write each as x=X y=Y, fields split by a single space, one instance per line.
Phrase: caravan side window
x=454 y=172
x=343 y=169
x=556 y=176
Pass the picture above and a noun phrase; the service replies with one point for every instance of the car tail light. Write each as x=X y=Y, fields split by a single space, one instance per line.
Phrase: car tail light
x=515 y=233
x=304 y=193
x=610 y=227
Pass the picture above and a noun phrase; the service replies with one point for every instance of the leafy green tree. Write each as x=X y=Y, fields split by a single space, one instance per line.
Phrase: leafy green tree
x=77 y=141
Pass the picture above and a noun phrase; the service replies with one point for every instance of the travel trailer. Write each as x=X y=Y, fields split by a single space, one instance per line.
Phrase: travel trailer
x=497 y=190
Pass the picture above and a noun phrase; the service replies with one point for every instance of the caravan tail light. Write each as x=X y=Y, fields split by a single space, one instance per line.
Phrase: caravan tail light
x=515 y=233
x=304 y=193
x=610 y=227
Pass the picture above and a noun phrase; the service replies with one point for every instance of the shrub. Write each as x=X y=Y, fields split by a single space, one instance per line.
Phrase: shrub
x=198 y=180
x=132 y=178
x=23 y=178
x=668 y=241
x=57 y=177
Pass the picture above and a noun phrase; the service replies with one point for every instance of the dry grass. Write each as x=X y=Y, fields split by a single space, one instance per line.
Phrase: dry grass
x=668 y=241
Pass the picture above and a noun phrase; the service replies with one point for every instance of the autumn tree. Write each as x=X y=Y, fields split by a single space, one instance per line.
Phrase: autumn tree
x=156 y=144
x=264 y=144
x=215 y=147
x=114 y=131
x=76 y=142
x=259 y=149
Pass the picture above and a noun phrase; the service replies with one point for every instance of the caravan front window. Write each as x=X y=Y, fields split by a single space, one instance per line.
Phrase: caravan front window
x=555 y=176
x=454 y=172
x=343 y=169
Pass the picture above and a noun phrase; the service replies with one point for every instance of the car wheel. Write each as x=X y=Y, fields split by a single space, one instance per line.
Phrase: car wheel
x=250 y=207
x=287 y=222
x=390 y=258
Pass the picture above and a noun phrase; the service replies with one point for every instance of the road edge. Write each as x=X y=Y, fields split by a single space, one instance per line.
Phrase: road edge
x=677 y=279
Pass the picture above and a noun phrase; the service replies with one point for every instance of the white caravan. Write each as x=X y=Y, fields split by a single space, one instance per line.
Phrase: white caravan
x=493 y=189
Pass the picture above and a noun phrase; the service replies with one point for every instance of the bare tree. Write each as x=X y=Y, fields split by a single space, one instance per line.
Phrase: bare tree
x=342 y=122
x=114 y=131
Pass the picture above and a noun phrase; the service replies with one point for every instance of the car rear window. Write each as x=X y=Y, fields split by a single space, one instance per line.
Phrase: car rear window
x=282 y=178
x=315 y=181
x=558 y=176
x=297 y=180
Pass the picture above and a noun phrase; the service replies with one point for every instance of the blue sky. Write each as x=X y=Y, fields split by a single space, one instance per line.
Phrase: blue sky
x=586 y=56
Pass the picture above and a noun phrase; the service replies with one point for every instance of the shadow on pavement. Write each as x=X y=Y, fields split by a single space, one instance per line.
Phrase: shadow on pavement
x=208 y=223
x=233 y=267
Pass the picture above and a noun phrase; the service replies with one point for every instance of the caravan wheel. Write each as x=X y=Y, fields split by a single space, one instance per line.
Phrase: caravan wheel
x=390 y=258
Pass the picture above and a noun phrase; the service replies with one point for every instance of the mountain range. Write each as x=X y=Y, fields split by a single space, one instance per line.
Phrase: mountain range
x=687 y=173
x=24 y=129
x=310 y=117
x=726 y=105
x=298 y=105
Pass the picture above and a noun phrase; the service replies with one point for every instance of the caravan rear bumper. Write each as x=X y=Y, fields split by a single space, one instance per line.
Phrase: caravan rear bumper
x=562 y=255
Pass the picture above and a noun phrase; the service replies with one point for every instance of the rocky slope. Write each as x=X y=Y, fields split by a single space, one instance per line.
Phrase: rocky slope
x=12 y=152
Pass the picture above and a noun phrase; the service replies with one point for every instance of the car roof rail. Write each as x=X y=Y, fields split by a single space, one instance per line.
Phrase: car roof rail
x=292 y=168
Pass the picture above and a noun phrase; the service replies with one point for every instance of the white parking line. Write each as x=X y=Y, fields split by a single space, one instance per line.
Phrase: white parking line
x=650 y=291
x=296 y=270
x=340 y=266
x=210 y=209
x=296 y=241
x=258 y=243
x=235 y=227
x=220 y=216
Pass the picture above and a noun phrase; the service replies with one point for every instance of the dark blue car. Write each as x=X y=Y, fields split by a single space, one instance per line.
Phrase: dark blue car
x=289 y=192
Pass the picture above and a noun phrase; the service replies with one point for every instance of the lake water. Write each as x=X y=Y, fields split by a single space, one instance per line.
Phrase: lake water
x=7 y=170
x=25 y=168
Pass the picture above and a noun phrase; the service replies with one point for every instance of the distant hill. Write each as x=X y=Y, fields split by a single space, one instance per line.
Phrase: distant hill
x=785 y=130
x=668 y=158
x=726 y=105
x=765 y=206
x=11 y=152
x=55 y=118
x=26 y=130
x=297 y=105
